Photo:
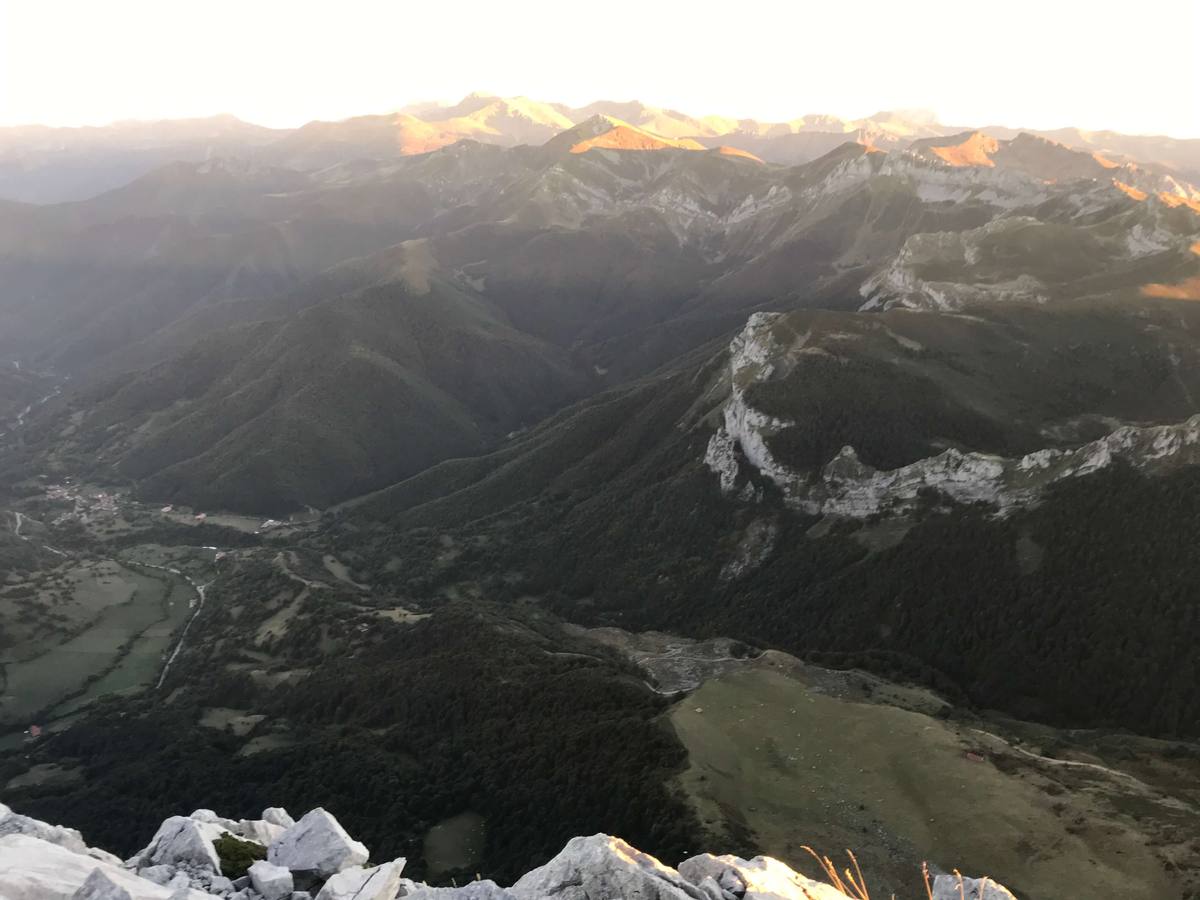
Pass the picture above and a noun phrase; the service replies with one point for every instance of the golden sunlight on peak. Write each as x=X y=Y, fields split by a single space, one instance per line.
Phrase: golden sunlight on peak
x=976 y=150
x=1105 y=161
x=623 y=136
x=1188 y=289
x=1166 y=198
x=1174 y=201
x=1130 y=190
x=1196 y=248
x=725 y=150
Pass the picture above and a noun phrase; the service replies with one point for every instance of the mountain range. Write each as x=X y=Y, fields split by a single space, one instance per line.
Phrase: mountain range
x=226 y=310
x=48 y=165
x=493 y=462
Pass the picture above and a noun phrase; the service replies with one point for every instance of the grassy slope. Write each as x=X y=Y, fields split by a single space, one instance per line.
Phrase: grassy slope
x=607 y=512
x=798 y=761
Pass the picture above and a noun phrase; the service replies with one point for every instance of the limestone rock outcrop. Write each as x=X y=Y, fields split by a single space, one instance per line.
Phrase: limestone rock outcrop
x=476 y=890
x=317 y=843
x=99 y=886
x=357 y=883
x=271 y=881
x=39 y=861
x=761 y=878
x=957 y=887
x=277 y=815
x=182 y=841
x=741 y=449
x=603 y=866
x=35 y=869
x=12 y=823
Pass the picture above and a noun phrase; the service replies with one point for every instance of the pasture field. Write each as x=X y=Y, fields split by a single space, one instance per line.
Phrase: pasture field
x=785 y=758
x=120 y=648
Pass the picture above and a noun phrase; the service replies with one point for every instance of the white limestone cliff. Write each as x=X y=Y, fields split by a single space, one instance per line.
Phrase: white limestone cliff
x=901 y=284
x=845 y=486
x=969 y=273
x=753 y=356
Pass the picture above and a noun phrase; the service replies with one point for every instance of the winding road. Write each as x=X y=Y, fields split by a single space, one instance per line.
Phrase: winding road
x=198 y=604
x=200 y=590
x=21 y=520
x=1132 y=780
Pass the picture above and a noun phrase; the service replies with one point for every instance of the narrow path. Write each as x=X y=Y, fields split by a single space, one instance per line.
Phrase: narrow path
x=24 y=414
x=21 y=519
x=1134 y=781
x=282 y=559
x=200 y=590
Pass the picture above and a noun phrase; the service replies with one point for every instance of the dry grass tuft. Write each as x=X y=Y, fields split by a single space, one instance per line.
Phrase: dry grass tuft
x=854 y=885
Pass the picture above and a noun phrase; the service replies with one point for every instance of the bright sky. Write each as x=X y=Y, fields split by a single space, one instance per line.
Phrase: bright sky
x=1033 y=63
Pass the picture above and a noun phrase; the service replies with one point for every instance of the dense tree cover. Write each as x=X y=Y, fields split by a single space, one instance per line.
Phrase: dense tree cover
x=890 y=417
x=1101 y=631
x=170 y=534
x=19 y=556
x=464 y=711
x=1083 y=611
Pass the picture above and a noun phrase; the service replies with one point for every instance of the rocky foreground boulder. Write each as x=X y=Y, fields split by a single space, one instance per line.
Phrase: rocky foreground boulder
x=317 y=844
x=39 y=861
x=271 y=881
x=12 y=823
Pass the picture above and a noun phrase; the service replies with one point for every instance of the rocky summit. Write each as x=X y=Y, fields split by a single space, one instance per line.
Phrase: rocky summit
x=201 y=857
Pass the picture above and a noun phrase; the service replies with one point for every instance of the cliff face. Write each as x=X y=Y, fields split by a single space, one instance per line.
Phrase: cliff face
x=772 y=348
x=315 y=858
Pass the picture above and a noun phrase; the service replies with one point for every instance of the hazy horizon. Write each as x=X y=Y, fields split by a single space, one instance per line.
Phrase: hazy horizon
x=925 y=114
x=280 y=65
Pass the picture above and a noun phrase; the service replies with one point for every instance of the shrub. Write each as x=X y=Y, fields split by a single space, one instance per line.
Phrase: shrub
x=237 y=855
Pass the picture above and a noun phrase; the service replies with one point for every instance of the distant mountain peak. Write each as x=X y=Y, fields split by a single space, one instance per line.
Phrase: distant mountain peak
x=726 y=150
x=610 y=133
x=1047 y=160
x=970 y=148
x=920 y=116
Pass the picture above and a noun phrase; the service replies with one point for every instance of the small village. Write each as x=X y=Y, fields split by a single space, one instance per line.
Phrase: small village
x=87 y=505
x=91 y=505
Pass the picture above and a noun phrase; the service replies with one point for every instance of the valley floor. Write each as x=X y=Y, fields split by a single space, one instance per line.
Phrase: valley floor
x=780 y=754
